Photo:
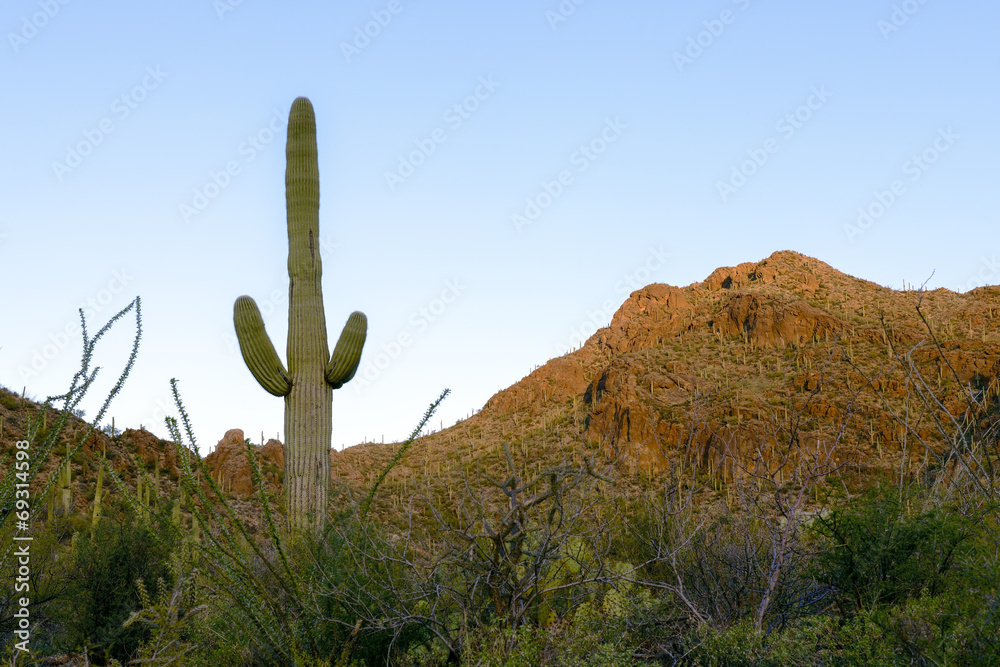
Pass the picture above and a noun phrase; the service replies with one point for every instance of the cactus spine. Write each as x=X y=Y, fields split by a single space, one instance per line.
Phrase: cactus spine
x=312 y=375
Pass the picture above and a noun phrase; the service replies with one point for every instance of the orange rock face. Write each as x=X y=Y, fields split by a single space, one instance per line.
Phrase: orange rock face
x=230 y=467
x=769 y=322
x=725 y=353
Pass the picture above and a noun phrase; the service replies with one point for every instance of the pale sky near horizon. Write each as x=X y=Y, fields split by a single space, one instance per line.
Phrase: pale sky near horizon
x=495 y=178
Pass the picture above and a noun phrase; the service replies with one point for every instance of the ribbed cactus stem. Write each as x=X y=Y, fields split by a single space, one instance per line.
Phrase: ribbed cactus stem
x=67 y=483
x=307 y=384
x=97 y=496
x=308 y=407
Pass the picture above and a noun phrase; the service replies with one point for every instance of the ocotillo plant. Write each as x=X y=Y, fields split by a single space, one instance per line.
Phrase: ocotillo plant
x=312 y=375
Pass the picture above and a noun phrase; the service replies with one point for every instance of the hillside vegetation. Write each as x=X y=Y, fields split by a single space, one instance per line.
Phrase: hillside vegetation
x=779 y=465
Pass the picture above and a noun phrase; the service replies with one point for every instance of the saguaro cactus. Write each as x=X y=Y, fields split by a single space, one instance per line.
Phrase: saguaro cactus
x=66 y=484
x=312 y=375
x=98 y=494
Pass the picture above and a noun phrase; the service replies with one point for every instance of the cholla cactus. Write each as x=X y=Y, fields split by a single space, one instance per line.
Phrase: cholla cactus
x=312 y=374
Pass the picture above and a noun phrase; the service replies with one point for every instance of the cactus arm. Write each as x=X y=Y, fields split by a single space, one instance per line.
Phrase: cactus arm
x=347 y=353
x=258 y=351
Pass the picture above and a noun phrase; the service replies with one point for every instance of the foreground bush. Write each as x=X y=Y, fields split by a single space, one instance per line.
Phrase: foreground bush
x=102 y=591
x=884 y=549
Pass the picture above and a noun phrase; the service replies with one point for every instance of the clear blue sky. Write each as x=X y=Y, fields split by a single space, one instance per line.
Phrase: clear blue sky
x=657 y=141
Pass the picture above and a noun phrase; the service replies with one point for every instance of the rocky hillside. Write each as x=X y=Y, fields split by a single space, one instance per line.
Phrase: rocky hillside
x=141 y=459
x=681 y=372
x=719 y=365
x=134 y=454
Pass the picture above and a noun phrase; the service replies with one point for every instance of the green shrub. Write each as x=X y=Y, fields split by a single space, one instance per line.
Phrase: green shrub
x=47 y=584
x=815 y=640
x=879 y=551
x=958 y=627
x=588 y=640
x=102 y=591
x=9 y=401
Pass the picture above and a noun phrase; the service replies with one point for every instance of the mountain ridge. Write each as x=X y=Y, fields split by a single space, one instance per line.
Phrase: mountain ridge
x=682 y=371
x=743 y=341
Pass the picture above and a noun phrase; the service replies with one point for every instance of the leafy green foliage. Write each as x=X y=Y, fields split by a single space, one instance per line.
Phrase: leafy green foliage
x=880 y=551
x=103 y=577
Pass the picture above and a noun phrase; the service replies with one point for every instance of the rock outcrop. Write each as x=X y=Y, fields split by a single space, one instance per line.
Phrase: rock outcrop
x=724 y=352
x=229 y=466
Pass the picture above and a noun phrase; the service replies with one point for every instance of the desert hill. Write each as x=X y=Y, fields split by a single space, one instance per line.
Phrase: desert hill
x=694 y=372
x=715 y=366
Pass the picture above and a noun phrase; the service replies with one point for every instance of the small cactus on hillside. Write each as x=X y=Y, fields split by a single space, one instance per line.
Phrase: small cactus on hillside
x=98 y=493
x=66 y=483
x=307 y=384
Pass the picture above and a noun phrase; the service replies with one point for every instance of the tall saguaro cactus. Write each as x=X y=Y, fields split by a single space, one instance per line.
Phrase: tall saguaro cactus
x=312 y=375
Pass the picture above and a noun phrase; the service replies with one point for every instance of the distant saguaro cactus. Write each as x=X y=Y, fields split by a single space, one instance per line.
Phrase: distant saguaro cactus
x=66 y=483
x=312 y=375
